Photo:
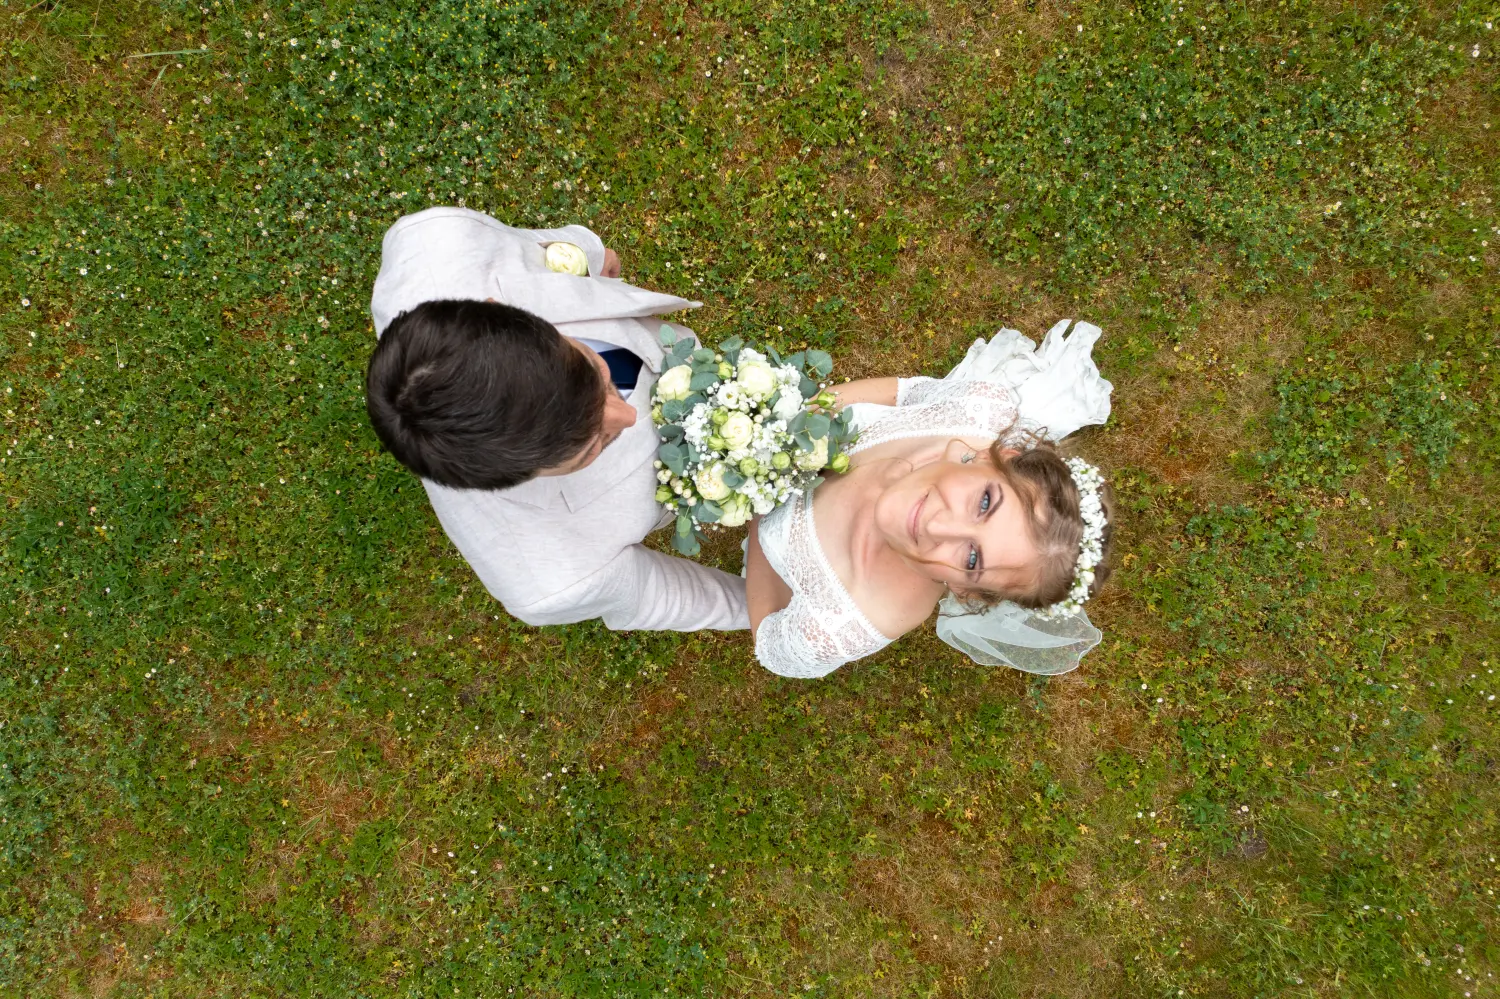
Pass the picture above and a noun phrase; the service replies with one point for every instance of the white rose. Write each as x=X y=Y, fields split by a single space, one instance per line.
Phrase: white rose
x=710 y=482
x=566 y=258
x=736 y=511
x=816 y=458
x=675 y=383
x=738 y=431
x=789 y=405
x=757 y=379
x=763 y=505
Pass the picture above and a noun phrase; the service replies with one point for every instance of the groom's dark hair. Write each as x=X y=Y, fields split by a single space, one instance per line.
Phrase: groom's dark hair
x=479 y=395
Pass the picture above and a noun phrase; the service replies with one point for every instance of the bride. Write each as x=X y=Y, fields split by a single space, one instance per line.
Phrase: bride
x=956 y=494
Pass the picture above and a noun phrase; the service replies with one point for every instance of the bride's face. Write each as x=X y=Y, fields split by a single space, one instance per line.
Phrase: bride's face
x=959 y=523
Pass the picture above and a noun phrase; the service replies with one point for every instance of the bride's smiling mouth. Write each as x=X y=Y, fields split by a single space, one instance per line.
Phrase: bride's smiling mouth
x=914 y=518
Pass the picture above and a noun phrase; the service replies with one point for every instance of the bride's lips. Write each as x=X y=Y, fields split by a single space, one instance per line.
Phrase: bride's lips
x=913 y=518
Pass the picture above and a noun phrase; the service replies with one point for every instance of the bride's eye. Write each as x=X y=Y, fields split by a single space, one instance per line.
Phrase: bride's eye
x=972 y=562
x=984 y=502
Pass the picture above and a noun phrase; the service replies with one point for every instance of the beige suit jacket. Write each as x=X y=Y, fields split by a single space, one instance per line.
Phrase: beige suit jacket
x=563 y=548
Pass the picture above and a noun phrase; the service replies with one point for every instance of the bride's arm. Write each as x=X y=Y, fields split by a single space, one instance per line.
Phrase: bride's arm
x=881 y=391
x=765 y=592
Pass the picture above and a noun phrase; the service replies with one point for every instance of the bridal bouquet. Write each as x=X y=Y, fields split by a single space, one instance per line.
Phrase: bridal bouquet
x=741 y=432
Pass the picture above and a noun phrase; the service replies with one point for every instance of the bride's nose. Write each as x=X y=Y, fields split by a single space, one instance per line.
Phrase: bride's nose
x=943 y=526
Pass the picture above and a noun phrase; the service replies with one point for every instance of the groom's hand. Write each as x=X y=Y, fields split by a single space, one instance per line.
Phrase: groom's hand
x=611 y=264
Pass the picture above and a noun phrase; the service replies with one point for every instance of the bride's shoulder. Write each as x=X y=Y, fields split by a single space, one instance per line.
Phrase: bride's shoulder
x=895 y=607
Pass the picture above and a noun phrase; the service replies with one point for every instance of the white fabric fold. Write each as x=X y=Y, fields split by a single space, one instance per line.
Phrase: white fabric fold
x=1057 y=385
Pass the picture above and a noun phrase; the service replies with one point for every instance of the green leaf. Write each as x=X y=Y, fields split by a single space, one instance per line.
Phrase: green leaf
x=674 y=409
x=674 y=455
x=686 y=544
x=818 y=425
x=703 y=380
x=708 y=512
x=670 y=432
x=807 y=387
x=733 y=343
x=732 y=478
x=667 y=335
x=797 y=359
x=703 y=355
x=820 y=363
x=684 y=525
x=797 y=423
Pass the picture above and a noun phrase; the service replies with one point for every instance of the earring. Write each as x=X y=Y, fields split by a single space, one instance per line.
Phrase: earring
x=967 y=458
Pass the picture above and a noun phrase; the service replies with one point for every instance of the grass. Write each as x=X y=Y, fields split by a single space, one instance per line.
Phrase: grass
x=262 y=732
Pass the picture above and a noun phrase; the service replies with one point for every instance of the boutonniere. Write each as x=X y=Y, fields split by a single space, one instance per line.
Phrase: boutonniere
x=566 y=258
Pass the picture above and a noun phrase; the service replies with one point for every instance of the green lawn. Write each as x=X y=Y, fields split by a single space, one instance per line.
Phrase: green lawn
x=262 y=733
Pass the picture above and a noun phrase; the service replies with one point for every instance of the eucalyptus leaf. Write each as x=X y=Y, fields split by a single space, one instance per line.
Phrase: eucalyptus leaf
x=670 y=432
x=703 y=354
x=708 y=512
x=686 y=544
x=818 y=425
x=732 y=478
x=703 y=380
x=667 y=335
x=820 y=363
x=807 y=387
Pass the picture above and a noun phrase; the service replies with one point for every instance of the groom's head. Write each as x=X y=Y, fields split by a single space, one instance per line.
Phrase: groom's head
x=478 y=395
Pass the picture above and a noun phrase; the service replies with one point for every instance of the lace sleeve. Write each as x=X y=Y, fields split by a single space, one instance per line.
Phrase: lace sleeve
x=931 y=407
x=793 y=642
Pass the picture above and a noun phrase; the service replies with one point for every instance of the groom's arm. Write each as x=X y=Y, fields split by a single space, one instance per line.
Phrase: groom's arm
x=641 y=589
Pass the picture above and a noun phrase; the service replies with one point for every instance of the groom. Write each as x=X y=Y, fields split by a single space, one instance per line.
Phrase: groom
x=522 y=398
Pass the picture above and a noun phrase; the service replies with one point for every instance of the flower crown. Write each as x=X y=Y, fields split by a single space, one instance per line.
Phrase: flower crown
x=1089 y=480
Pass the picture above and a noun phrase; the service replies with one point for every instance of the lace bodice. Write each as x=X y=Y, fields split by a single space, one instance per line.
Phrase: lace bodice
x=822 y=628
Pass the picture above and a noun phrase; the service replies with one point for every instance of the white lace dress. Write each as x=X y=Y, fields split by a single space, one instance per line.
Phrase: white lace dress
x=1003 y=384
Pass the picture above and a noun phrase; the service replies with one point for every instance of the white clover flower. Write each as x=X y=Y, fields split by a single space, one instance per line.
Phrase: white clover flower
x=567 y=258
x=675 y=384
x=737 y=431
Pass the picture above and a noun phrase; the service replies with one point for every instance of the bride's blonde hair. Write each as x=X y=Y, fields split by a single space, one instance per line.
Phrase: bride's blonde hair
x=1039 y=476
